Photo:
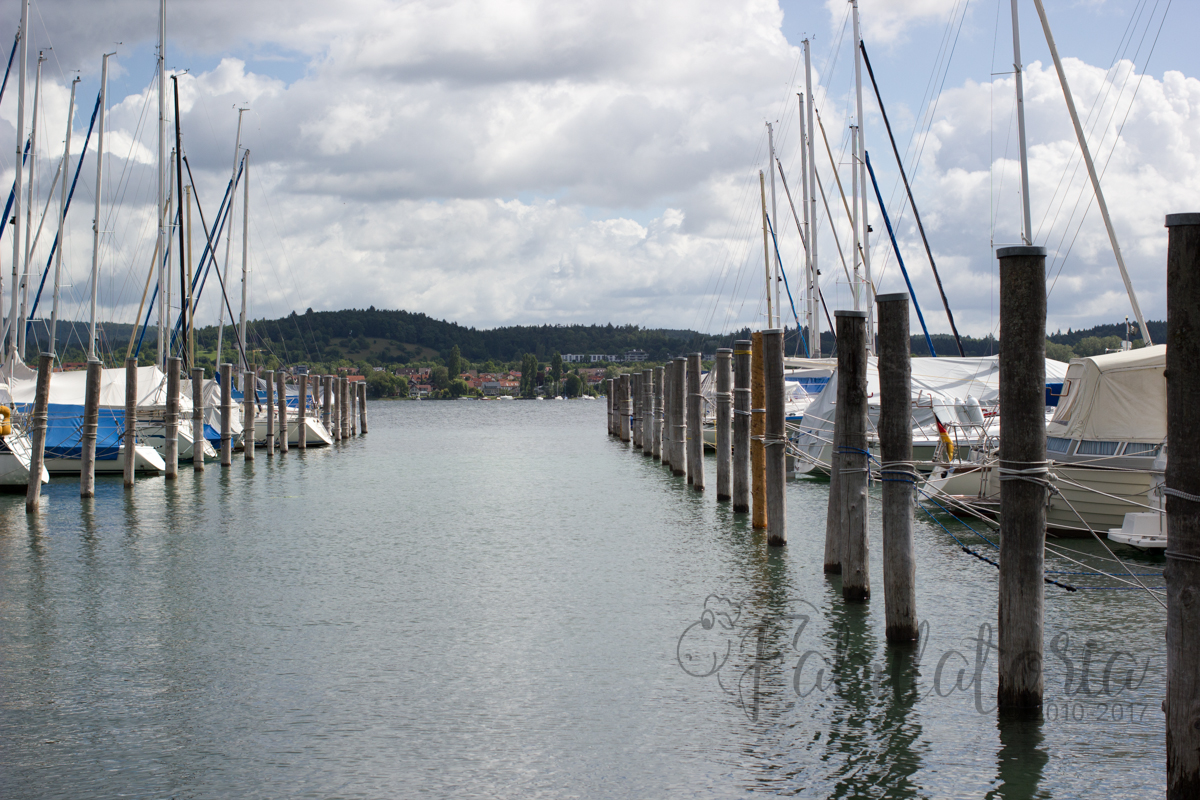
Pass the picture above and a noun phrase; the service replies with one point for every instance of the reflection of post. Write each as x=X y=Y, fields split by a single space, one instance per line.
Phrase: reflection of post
x=1022 y=475
x=723 y=379
x=895 y=449
x=758 y=412
x=1183 y=512
x=695 y=424
x=1021 y=758
x=773 y=436
x=741 y=426
x=852 y=385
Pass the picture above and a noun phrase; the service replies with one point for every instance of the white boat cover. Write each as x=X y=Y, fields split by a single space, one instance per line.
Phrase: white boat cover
x=944 y=382
x=70 y=388
x=1115 y=397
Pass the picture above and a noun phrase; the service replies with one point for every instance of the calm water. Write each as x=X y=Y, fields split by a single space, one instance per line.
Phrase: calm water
x=498 y=600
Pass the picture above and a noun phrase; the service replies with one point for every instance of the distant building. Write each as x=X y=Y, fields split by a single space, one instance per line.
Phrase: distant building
x=636 y=355
x=300 y=369
x=574 y=359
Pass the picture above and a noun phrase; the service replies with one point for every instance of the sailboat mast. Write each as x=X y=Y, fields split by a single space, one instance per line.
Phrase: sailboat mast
x=62 y=216
x=814 y=299
x=162 y=188
x=185 y=288
x=245 y=256
x=237 y=147
x=12 y=328
x=860 y=160
x=1026 y=229
x=1091 y=168
x=23 y=286
x=96 y=220
x=808 y=262
x=774 y=216
x=762 y=191
x=857 y=254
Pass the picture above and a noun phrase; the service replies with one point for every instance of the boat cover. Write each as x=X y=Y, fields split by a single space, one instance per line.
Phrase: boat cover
x=1114 y=397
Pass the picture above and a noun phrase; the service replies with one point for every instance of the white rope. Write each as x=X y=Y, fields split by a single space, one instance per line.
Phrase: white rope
x=1195 y=498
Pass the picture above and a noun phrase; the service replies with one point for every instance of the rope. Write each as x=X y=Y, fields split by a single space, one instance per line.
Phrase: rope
x=1182 y=556
x=1169 y=492
x=742 y=413
x=1031 y=474
x=906 y=470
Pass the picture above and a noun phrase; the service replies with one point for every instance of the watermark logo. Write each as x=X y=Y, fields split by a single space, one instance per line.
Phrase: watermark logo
x=754 y=654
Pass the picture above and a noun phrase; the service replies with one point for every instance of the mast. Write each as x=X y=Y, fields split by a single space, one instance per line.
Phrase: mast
x=860 y=159
x=162 y=189
x=766 y=246
x=96 y=220
x=23 y=287
x=774 y=216
x=245 y=256
x=1091 y=168
x=185 y=288
x=62 y=216
x=24 y=34
x=1026 y=229
x=808 y=262
x=814 y=321
x=237 y=146
x=857 y=254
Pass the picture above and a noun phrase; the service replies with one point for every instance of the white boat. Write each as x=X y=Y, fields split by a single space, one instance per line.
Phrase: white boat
x=315 y=432
x=15 y=450
x=1105 y=444
x=959 y=394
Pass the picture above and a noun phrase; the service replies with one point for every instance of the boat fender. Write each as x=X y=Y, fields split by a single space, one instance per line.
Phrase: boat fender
x=5 y=421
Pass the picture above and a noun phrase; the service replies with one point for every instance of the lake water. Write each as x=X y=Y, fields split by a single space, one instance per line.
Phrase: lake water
x=499 y=600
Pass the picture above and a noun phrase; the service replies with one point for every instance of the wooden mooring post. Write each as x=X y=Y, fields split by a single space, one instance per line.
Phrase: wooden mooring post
x=897 y=471
x=37 y=456
x=623 y=410
x=362 y=406
x=302 y=415
x=226 y=415
x=609 y=394
x=695 y=428
x=171 y=418
x=270 y=377
x=131 y=371
x=198 y=419
x=758 y=428
x=1183 y=506
x=635 y=422
x=724 y=398
x=774 y=436
x=668 y=430
x=679 y=421
x=281 y=393
x=835 y=512
x=352 y=387
x=1023 y=476
x=740 y=461
x=657 y=431
x=648 y=413
x=327 y=404
x=249 y=396
x=344 y=407
x=853 y=464
x=91 y=425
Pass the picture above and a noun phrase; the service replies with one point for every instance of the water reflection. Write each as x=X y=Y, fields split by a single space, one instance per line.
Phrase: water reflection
x=1022 y=758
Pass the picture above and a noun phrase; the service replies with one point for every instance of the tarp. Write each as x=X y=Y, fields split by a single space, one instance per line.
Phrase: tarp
x=941 y=382
x=1118 y=397
x=70 y=389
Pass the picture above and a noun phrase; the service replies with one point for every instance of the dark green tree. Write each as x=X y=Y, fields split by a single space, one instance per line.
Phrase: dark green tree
x=529 y=368
x=439 y=377
x=573 y=386
x=556 y=370
x=458 y=387
x=454 y=362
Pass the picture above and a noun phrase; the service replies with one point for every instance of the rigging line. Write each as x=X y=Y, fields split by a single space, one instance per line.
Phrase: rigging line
x=899 y=259
x=916 y=214
x=7 y=70
x=771 y=228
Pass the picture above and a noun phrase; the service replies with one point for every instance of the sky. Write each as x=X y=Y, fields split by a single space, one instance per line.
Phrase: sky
x=536 y=162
